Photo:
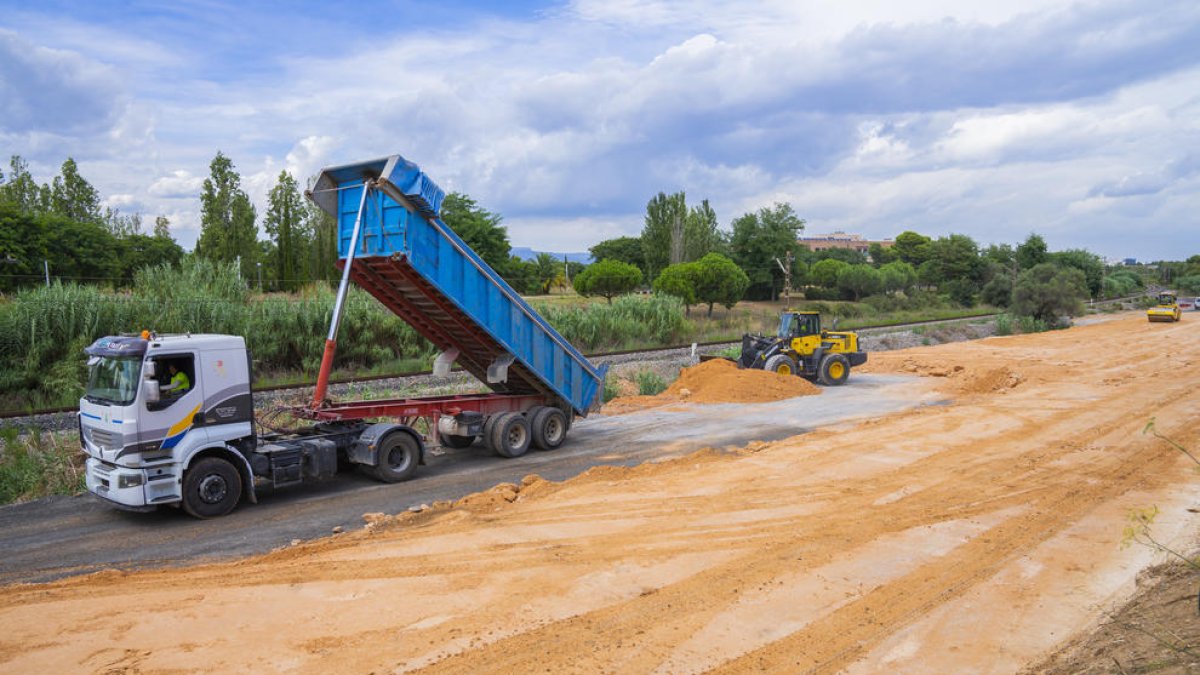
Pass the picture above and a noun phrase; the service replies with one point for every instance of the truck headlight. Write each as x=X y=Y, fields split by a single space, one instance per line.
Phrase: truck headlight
x=128 y=480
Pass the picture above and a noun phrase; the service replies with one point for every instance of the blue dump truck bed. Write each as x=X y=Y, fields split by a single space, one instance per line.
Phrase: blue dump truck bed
x=420 y=269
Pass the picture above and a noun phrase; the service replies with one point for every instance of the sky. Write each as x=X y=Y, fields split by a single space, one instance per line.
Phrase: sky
x=1080 y=122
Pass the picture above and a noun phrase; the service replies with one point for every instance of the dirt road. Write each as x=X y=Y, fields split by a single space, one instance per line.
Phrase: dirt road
x=973 y=536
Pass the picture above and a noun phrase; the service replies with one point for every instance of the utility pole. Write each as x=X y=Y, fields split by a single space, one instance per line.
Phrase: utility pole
x=567 y=270
x=259 y=264
x=787 y=278
x=46 y=267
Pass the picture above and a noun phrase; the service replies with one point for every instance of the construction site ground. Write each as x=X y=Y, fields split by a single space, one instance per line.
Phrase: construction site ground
x=972 y=525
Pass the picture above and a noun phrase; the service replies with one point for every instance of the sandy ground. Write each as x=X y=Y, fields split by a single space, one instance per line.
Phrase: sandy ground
x=975 y=536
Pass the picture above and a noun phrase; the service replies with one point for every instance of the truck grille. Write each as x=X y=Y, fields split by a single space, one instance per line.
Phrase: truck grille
x=106 y=439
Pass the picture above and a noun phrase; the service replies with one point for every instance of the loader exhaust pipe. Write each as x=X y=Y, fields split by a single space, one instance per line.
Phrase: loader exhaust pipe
x=335 y=322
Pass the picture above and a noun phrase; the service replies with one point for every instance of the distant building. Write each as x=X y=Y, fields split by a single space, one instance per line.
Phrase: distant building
x=1131 y=261
x=841 y=239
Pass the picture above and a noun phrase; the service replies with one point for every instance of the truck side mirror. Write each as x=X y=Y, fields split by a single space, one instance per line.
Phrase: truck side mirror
x=149 y=370
x=150 y=391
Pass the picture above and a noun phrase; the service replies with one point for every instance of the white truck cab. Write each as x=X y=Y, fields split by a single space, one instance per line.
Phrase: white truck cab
x=141 y=439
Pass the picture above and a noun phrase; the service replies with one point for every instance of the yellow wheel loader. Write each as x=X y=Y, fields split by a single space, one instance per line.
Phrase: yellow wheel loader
x=802 y=348
x=1167 y=308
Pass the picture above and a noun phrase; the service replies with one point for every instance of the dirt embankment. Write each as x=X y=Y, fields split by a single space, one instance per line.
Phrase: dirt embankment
x=718 y=381
x=974 y=536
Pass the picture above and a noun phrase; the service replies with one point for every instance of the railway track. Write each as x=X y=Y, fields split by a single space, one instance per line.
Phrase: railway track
x=32 y=418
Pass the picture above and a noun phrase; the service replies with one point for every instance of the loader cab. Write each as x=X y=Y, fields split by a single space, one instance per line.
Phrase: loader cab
x=799 y=324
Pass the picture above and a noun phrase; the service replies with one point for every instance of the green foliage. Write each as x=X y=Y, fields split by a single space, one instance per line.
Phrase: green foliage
x=607 y=278
x=1084 y=261
x=912 y=248
x=846 y=255
x=284 y=223
x=825 y=272
x=629 y=321
x=624 y=249
x=881 y=255
x=954 y=266
x=1031 y=253
x=700 y=233
x=38 y=464
x=650 y=383
x=664 y=214
x=718 y=281
x=998 y=291
x=1004 y=324
x=897 y=276
x=610 y=390
x=758 y=239
x=859 y=280
x=227 y=229
x=1120 y=282
x=1188 y=284
x=479 y=228
x=679 y=281
x=1048 y=292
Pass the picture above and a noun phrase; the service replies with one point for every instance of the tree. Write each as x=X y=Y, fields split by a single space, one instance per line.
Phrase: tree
x=912 y=248
x=479 y=228
x=846 y=255
x=20 y=188
x=955 y=267
x=1032 y=252
x=665 y=216
x=880 y=254
x=897 y=276
x=758 y=239
x=73 y=197
x=859 y=280
x=680 y=281
x=608 y=278
x=549 y=272
x=227 y=228
x=700 y=233
x=284 y=223
x=1048 y=292
x=998 y=291
x=162 y=227
x=323 y=252
x=825 y=272
x=624 y=249
x=138 y=251
x=1085 y=261
x=719 y=280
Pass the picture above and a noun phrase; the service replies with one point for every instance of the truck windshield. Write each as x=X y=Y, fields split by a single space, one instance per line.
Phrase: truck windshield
x=113 y=379
x=785 y=325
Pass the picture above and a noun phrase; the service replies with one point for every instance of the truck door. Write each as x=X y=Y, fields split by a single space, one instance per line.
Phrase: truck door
x=172 y=419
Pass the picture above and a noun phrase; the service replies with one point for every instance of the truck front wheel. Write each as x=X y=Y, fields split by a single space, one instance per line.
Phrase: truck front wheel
x=398 y=457
x=211 y=488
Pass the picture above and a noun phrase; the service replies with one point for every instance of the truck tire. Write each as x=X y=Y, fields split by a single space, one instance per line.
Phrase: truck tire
x=212 y=487
x=781 y=364
x=549 y=427
x=834 y=370
x=510 y=435
x=453 y=441
x=397 y=458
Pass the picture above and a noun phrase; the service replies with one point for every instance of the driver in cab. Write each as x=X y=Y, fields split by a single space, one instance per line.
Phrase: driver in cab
x=179 y=383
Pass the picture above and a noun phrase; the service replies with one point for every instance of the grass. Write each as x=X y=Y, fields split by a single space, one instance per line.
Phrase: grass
x=650 y=383
x=37 y=464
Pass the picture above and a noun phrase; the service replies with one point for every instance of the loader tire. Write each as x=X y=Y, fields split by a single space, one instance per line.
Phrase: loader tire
x=834 y=370
x=781 y=364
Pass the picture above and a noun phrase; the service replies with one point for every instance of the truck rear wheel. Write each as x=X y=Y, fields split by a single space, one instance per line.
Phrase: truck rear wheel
x=834 y=370
x=398 y=456
x=781 y=364
x=211 y=488
x=549 y=427
x=510 y=435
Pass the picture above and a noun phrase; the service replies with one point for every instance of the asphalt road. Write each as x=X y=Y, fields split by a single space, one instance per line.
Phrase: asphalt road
x=63 y=536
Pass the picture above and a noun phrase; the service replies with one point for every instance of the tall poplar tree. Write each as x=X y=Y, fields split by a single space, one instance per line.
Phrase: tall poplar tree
x=227 y=228
x=284 y=222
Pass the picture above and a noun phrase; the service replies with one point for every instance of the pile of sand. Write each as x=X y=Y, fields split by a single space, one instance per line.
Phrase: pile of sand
x=719 y=381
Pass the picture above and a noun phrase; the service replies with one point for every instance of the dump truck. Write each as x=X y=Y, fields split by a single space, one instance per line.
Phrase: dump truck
x=154 y=437
x=1167 y=308
x=800 y=347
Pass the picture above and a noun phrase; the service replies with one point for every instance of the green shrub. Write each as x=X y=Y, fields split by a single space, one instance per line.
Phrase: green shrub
x=630 y=320
x=37 y=464
x=610 y=390
x=650 y=383
x=1004 y=324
